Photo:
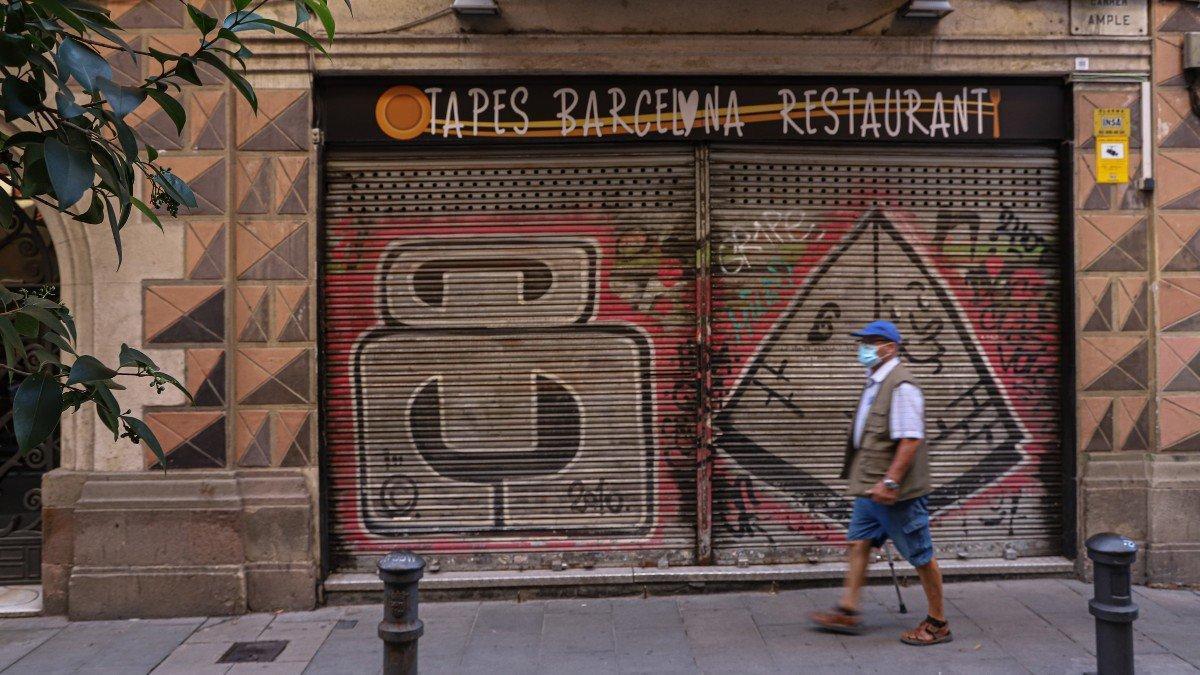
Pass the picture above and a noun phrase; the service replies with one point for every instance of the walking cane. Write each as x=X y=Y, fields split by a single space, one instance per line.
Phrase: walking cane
x=887 y=546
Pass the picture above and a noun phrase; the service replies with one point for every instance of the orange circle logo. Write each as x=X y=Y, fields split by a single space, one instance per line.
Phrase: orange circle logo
x=403 y=112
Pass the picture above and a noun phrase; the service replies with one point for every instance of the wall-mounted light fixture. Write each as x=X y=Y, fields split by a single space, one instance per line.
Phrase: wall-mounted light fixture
x=926 y=9
x=475 y=7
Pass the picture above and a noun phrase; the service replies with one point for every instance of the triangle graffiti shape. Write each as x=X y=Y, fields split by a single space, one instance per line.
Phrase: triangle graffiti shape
x=1100 y=321
x=820 y=319
x=1102 y=437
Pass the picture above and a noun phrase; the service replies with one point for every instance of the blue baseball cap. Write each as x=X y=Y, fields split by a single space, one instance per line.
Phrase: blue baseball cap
x=884 y=329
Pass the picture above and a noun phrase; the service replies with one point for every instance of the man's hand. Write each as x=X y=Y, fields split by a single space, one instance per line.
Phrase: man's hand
x=883 y=495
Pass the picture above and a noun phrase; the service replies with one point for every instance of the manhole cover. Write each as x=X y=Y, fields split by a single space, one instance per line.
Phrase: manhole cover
x=263 y=651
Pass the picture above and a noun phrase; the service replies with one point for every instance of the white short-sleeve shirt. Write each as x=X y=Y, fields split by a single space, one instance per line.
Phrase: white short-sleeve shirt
x=907 y=418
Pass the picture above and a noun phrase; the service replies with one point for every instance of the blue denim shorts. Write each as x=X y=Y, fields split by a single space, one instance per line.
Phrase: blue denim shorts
x=906 y=523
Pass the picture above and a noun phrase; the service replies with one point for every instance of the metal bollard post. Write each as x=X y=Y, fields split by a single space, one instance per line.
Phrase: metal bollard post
x=400 y=628
x=1113 y=605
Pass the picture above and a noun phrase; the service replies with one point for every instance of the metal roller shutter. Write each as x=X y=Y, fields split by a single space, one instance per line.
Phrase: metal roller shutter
x=509 y=356
x=961 y=249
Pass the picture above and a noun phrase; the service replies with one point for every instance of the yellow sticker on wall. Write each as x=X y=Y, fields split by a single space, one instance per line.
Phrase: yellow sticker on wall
x=1112 y=126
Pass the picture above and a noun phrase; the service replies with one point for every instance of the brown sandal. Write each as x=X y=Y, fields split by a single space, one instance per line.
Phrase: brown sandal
x=838 y=620
x=929 y=632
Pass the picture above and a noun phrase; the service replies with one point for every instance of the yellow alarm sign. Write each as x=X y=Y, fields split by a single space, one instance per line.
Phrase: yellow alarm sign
x=1111 y=127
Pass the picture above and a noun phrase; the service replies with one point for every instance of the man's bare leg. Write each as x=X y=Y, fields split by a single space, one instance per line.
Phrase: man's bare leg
x=859 y=555
x=931 y=581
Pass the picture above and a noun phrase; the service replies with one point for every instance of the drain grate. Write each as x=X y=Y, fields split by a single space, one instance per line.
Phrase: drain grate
x=345 y=624
x=262 y=651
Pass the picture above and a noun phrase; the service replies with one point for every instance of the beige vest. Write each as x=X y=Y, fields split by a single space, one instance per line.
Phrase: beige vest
x=863 y=468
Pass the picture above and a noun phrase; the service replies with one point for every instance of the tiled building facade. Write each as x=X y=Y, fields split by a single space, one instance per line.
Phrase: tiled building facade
x=228 y=296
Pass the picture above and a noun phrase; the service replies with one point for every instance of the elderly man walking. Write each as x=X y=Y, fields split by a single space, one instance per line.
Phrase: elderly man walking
x=887 y=469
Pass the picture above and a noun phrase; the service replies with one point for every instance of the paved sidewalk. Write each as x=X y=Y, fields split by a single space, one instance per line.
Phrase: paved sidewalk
x=1039 y=626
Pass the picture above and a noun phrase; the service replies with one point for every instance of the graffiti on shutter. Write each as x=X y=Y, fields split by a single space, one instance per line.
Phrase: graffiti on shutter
x=974 y=292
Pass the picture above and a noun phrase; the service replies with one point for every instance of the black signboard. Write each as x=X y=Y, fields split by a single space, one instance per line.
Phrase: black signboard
x=514 y=110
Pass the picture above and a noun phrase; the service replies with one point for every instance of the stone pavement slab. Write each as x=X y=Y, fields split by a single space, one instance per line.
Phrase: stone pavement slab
x=1018 y=626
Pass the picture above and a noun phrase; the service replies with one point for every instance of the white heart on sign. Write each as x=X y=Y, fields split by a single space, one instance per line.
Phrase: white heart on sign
x=687 y=108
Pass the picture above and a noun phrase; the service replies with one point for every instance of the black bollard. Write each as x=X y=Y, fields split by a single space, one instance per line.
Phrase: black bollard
x=1113 y=602
x=400 y=628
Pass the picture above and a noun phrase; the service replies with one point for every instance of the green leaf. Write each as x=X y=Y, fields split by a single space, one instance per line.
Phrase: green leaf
x=71 y=171
x=129 y=143
x=226 y=34
x=302 y=13
x=67 y=107
x=240 y=5
x=82 y=63
x=20 y=97
x=7 y=208
x=36 y=407
x=241 y=21
x=175 y=187
x=174 y=382
x=140 y=431
x=132 y=357
x=299 y=33
x=95 y=212
x=26 y=325
x=203 y=21
x=146 y=211
x=44 y=356
x=89 y=369
x=113 y=36
x=12 y=341
x=321 y=9
x=44 y=317
x=186 y=71
x=122 y=100
x=57 y=340
x=35 y=301
x=238 y=81
x=110 y=419
x=23 y=138
x=56 y=8
x=13 y=49
x=169 y=106
x=107 y=408
x=116 y=222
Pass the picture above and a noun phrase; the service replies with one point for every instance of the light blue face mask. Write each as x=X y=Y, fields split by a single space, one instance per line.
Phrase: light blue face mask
x=868 y=355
